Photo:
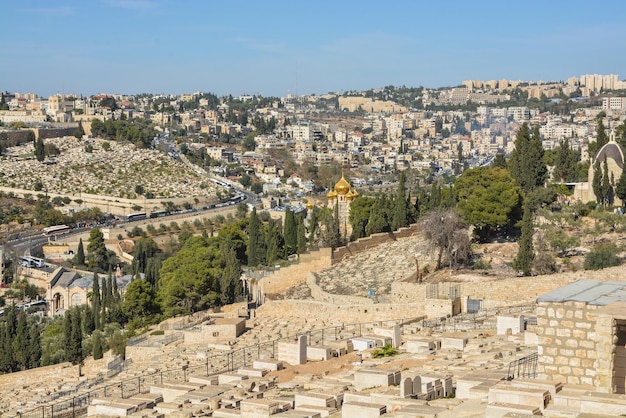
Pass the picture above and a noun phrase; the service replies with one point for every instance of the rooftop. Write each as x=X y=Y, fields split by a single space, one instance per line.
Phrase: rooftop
x=592 y=292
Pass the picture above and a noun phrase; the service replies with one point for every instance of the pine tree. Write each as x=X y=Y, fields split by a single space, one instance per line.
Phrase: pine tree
x=290 y=233
x=79 y=258
x=401 y=211
x=524 y=260
x=601 y=140
x=565 y=167
x=272 y=243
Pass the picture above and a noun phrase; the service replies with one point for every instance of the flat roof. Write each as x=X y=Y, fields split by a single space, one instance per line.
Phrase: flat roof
x=592 y=292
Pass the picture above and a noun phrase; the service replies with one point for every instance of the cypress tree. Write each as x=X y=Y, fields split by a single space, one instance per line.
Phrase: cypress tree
x=378 y=221
x=524 y=260
x=526 y=163
x=606 y=189
x=620 y=188
x=20 y=342
x=290 y=233
x=96 y=301
x=34 y=345
x=301 y=232
x=272 y=242
x=401 y=211
x=253 y=239
x=40 y=151
x=76 y=338
x=103 y=303
x=230 y=283
x=79 y=258
x=97 y=345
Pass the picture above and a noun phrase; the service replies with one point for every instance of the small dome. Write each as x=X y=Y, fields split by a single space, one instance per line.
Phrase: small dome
x=350 y=195
x=355 y=193
x=309 y=205
x=331 y=195
x=342 y=186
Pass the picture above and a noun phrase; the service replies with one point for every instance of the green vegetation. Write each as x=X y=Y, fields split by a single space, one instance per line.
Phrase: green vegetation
x=601 y=256
x=385 y=351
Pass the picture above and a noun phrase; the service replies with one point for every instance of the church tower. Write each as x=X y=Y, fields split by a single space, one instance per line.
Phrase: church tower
x=342 y=195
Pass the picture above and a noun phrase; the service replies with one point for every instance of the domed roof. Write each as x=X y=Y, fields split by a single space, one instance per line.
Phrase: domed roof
x=309 y=205
x=331 y=195
x=342 y=186
x=350 y=195
x=611 y=150
x=355 y=193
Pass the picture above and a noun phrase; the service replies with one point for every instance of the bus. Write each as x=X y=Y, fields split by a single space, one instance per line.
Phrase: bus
x=57 y=229
x=158 y=213
x=139 y=216
x=28 y=261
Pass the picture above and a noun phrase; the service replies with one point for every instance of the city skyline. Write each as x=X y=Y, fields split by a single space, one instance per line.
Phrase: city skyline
x=277 y=48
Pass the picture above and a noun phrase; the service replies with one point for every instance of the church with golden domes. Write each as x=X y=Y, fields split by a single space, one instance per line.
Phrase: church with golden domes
x=342 y=195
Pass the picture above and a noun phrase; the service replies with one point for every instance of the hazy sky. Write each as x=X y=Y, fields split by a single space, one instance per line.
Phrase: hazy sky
x=299 y=46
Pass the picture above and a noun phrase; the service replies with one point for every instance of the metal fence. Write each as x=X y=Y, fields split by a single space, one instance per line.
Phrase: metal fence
x=475 y=320
x=76 y=406
x=523 y=367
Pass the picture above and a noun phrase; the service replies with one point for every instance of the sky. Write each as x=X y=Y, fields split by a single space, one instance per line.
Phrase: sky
x=274 y=48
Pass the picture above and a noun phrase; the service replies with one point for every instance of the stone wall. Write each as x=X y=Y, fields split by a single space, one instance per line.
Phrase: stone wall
x=319 y=294
x=493 y=292
x=567 y=343
x=285 y=278
x=339 y=314
x=373 y=241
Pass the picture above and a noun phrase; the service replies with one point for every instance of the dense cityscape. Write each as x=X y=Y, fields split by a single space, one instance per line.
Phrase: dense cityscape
x=398 y=251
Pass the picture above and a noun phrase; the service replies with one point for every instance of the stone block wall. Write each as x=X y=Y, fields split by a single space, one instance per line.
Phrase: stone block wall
x=319 y=294
x=373 y=241
x=568 y=343
x=285 y=278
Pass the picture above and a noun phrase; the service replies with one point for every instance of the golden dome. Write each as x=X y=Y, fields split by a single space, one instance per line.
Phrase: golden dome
x=342 y=186
x=350 y=195
x=309 y=205
x=331 y=195
x=355 y=194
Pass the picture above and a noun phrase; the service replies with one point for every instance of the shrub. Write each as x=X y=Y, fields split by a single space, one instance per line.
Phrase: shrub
x=384 y=351
x=603 y=255
x=481 y=264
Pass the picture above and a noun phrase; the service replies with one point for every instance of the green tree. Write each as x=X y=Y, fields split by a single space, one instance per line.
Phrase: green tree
x=256 y=244
x=290 y=233
x=620 y=187
x=526 y=163
x=40 y=152
x=74 y=347
x=34 y=346
x=601 y=140
x=189 y=280
x=601 y=256
x=301 y=234
x=360 y=210
x=273 y=242
x=401 y=206
x=98 y=257
x=79 y=130
x=488 y=199
x=230 y=279
x=565 y=167
x=378 y=220
x=596 y=182
x=20 y=342
x=139 y=300
x=95 y=301
x=524 y=259
x=606 y=186
x=79 y=258
x=97 y=346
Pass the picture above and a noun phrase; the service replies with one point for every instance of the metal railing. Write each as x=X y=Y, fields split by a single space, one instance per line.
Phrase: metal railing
x=76 y=406
x=523 y=367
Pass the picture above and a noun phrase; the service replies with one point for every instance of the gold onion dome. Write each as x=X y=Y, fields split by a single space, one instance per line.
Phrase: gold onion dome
x=342 y=186
x=355 y=194
x=331 y=195
x=309 y=205
x=350 y=195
